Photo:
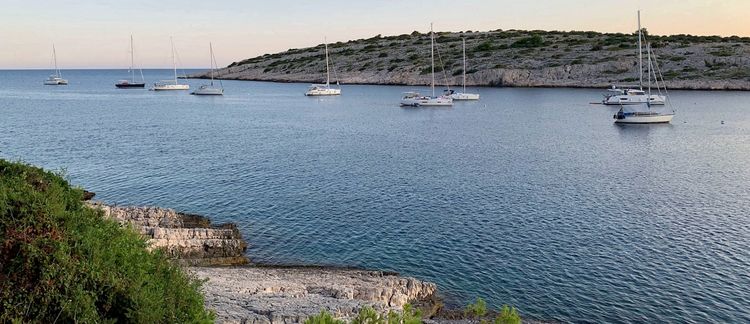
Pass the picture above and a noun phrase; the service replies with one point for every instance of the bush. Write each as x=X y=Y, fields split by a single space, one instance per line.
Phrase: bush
x=484 y=46
x=368 y=315
x=477 y=309
x=508 y=315
x=61 y=261
x=323 y=318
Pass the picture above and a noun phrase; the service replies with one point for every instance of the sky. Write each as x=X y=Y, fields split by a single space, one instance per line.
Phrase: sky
x=95 y=34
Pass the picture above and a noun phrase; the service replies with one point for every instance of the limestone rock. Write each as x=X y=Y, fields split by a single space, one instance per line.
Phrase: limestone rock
x=290 y=295
x=189 y=238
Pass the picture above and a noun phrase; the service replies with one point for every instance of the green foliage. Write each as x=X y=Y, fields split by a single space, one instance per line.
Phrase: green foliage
x=528 y=42
x=477 y=309
x=723 y=51
x=368 y=315
x=508 y=315
x=484 y=46
x=323 y=318
x=61 y=261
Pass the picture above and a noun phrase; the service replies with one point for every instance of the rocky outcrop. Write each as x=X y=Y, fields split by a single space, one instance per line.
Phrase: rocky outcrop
x=291 y=294
x=191 y=239
x=510 y=58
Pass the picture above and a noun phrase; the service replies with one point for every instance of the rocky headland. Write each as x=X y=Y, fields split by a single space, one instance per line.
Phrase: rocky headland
x=510 y=58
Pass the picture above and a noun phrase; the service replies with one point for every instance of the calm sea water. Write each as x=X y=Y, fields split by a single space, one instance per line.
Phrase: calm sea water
x=530 y=197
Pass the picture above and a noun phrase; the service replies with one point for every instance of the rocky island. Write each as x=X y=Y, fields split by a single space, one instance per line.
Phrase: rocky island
x=510 y=58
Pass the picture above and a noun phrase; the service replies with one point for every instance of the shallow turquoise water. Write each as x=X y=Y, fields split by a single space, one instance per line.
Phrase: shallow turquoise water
x=531 y=197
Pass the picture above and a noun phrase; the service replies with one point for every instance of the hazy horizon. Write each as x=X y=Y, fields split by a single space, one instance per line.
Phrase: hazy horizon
x=96 y=36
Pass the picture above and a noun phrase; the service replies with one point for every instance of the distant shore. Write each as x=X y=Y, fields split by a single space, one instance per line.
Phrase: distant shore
x=510 y=58
x=686 y=86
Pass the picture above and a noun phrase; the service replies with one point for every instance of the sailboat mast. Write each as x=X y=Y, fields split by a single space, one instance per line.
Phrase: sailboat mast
x=640 y=52
x=174 y=64
x=464 y=45
x=432 y=57
x=211 y=49
x=648 y=54
x=328 y=72
x=132 y=61
x=54 y=58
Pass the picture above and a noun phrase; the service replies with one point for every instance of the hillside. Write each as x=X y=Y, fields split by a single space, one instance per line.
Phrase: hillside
x=511 y=58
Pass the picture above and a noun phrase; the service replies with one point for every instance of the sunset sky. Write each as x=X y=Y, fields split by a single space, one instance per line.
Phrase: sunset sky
x=94 y=34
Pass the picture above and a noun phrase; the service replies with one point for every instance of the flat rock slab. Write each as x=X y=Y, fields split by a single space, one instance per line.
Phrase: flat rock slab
x=290 y=295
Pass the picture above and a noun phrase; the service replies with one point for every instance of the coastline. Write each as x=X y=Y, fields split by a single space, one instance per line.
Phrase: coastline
x=243 y=292
x=683 y=86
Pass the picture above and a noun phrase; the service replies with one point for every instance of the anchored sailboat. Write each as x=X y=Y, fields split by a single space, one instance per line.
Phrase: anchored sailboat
x=324 y=89
x=646 y=113
x=171 y=84
x=56 y=78
x=630 y=96
x=414 y=99
x=210 y=89
x=464 y=95
x=126 y=84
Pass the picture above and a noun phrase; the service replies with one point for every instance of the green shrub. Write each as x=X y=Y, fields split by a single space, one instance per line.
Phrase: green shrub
x=323 y=318
x=508 y=315
x=477 y=309
x=61 y=261
x=484 y=46
x=368 y=315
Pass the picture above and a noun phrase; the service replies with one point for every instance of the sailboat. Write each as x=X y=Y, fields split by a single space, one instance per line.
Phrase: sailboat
x=210 y=89
x=324 y=89
x=631 y=96
x=646 y=113
x=171 y=84
x=126 y=84
x=56 y=78
x=414 y=99
x=464 y=95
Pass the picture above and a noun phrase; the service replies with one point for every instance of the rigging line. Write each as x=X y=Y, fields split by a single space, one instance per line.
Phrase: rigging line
x=179 y=62
x=333 y=66
x=652 y=56
x=214 y=63
x=442 y=66
x=666 y=92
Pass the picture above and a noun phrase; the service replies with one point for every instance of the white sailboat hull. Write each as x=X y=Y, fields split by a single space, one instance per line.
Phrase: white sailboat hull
x=427 y=102
x=315 y=92
x=56 y=81
x=646 y=119
x=465 y=96
x=634 y=100
x=208 y=91
x=169 y=87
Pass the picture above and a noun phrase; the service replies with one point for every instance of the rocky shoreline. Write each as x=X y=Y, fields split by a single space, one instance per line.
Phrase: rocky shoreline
x=242 y=293
x=509 y=58
x=254 y=294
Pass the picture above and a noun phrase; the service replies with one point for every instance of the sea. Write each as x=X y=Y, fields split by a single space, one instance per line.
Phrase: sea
x=529 y=197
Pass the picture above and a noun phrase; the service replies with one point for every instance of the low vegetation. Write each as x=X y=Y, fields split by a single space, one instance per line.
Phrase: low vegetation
x=477 y=312
x=368 y=315
x=61 y=261
x=386 y=59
